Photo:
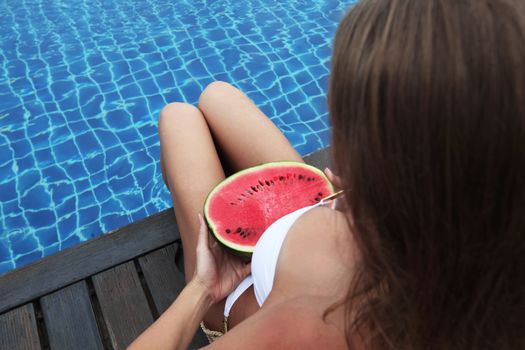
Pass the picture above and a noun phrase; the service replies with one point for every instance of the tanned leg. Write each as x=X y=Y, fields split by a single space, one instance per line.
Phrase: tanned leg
x=245 y=137
x=243 y=133
x=191 y=166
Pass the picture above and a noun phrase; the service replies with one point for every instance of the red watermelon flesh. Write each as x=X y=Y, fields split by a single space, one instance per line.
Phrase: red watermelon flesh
x=241 y=207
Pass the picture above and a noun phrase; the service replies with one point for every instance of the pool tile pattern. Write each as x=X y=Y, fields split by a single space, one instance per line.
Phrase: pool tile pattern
x=82 y=83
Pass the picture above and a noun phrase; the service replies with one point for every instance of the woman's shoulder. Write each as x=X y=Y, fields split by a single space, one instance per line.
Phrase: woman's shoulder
x=332 y=223
x=300 y=321
x=317 y=253
x=296 y=323
x=321 y=233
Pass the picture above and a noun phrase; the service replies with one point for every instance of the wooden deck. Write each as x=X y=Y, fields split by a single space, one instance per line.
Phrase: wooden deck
x=100 y=294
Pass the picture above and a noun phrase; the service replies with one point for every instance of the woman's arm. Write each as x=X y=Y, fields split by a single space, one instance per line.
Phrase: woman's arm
x=176 y=327
x=217 y=273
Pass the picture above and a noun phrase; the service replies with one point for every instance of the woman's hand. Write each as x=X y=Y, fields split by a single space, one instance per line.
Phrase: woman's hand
x=216 y=274
x=334 y=179
x=217 y=270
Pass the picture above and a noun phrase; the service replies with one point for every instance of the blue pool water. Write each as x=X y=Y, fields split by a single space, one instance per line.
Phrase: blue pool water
x=82 y=83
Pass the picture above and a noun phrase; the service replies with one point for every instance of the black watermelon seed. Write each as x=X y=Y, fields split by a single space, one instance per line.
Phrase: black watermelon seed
x=254 y=189
x=301 y=177
x=261 y=183
x=281 y=178
x=320 y=193
x=228 y=230
x=317 y=199
x=239 y=230
x=267 y=183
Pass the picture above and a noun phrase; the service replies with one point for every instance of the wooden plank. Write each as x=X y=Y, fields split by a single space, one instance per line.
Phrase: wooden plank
x=123 y=303
x=70 y=320
x=18 y=329
x=84 y=260
x=165 y=281
x=320 y=159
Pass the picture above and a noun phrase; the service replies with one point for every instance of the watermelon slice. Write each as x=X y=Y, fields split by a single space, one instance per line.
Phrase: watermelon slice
x=240 y=208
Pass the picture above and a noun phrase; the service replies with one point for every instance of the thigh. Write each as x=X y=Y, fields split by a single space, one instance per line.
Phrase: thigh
x=245 y=136
x=191 y=168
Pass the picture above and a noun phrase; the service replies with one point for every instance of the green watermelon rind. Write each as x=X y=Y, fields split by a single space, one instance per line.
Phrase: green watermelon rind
x=244 y=250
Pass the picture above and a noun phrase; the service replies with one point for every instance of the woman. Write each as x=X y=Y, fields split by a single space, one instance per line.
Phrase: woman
x=427 y=103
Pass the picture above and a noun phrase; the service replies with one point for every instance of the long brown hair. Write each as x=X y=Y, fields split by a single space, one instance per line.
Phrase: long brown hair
x=427 y=104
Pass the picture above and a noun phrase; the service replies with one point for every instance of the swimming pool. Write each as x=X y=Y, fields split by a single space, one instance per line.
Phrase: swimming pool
x=82 y=83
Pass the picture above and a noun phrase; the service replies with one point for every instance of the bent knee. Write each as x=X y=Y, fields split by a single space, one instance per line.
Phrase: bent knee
x=215 y=91
x=176 y=112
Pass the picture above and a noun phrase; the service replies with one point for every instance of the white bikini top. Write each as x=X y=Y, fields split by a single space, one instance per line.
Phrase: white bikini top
x=264 y=258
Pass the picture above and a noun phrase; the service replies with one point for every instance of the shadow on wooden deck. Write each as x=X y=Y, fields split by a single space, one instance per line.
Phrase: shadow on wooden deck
x=100 y=294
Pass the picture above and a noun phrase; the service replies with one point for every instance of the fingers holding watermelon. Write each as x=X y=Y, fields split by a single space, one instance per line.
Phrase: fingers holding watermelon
x=216 y=269
x=334 y=179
